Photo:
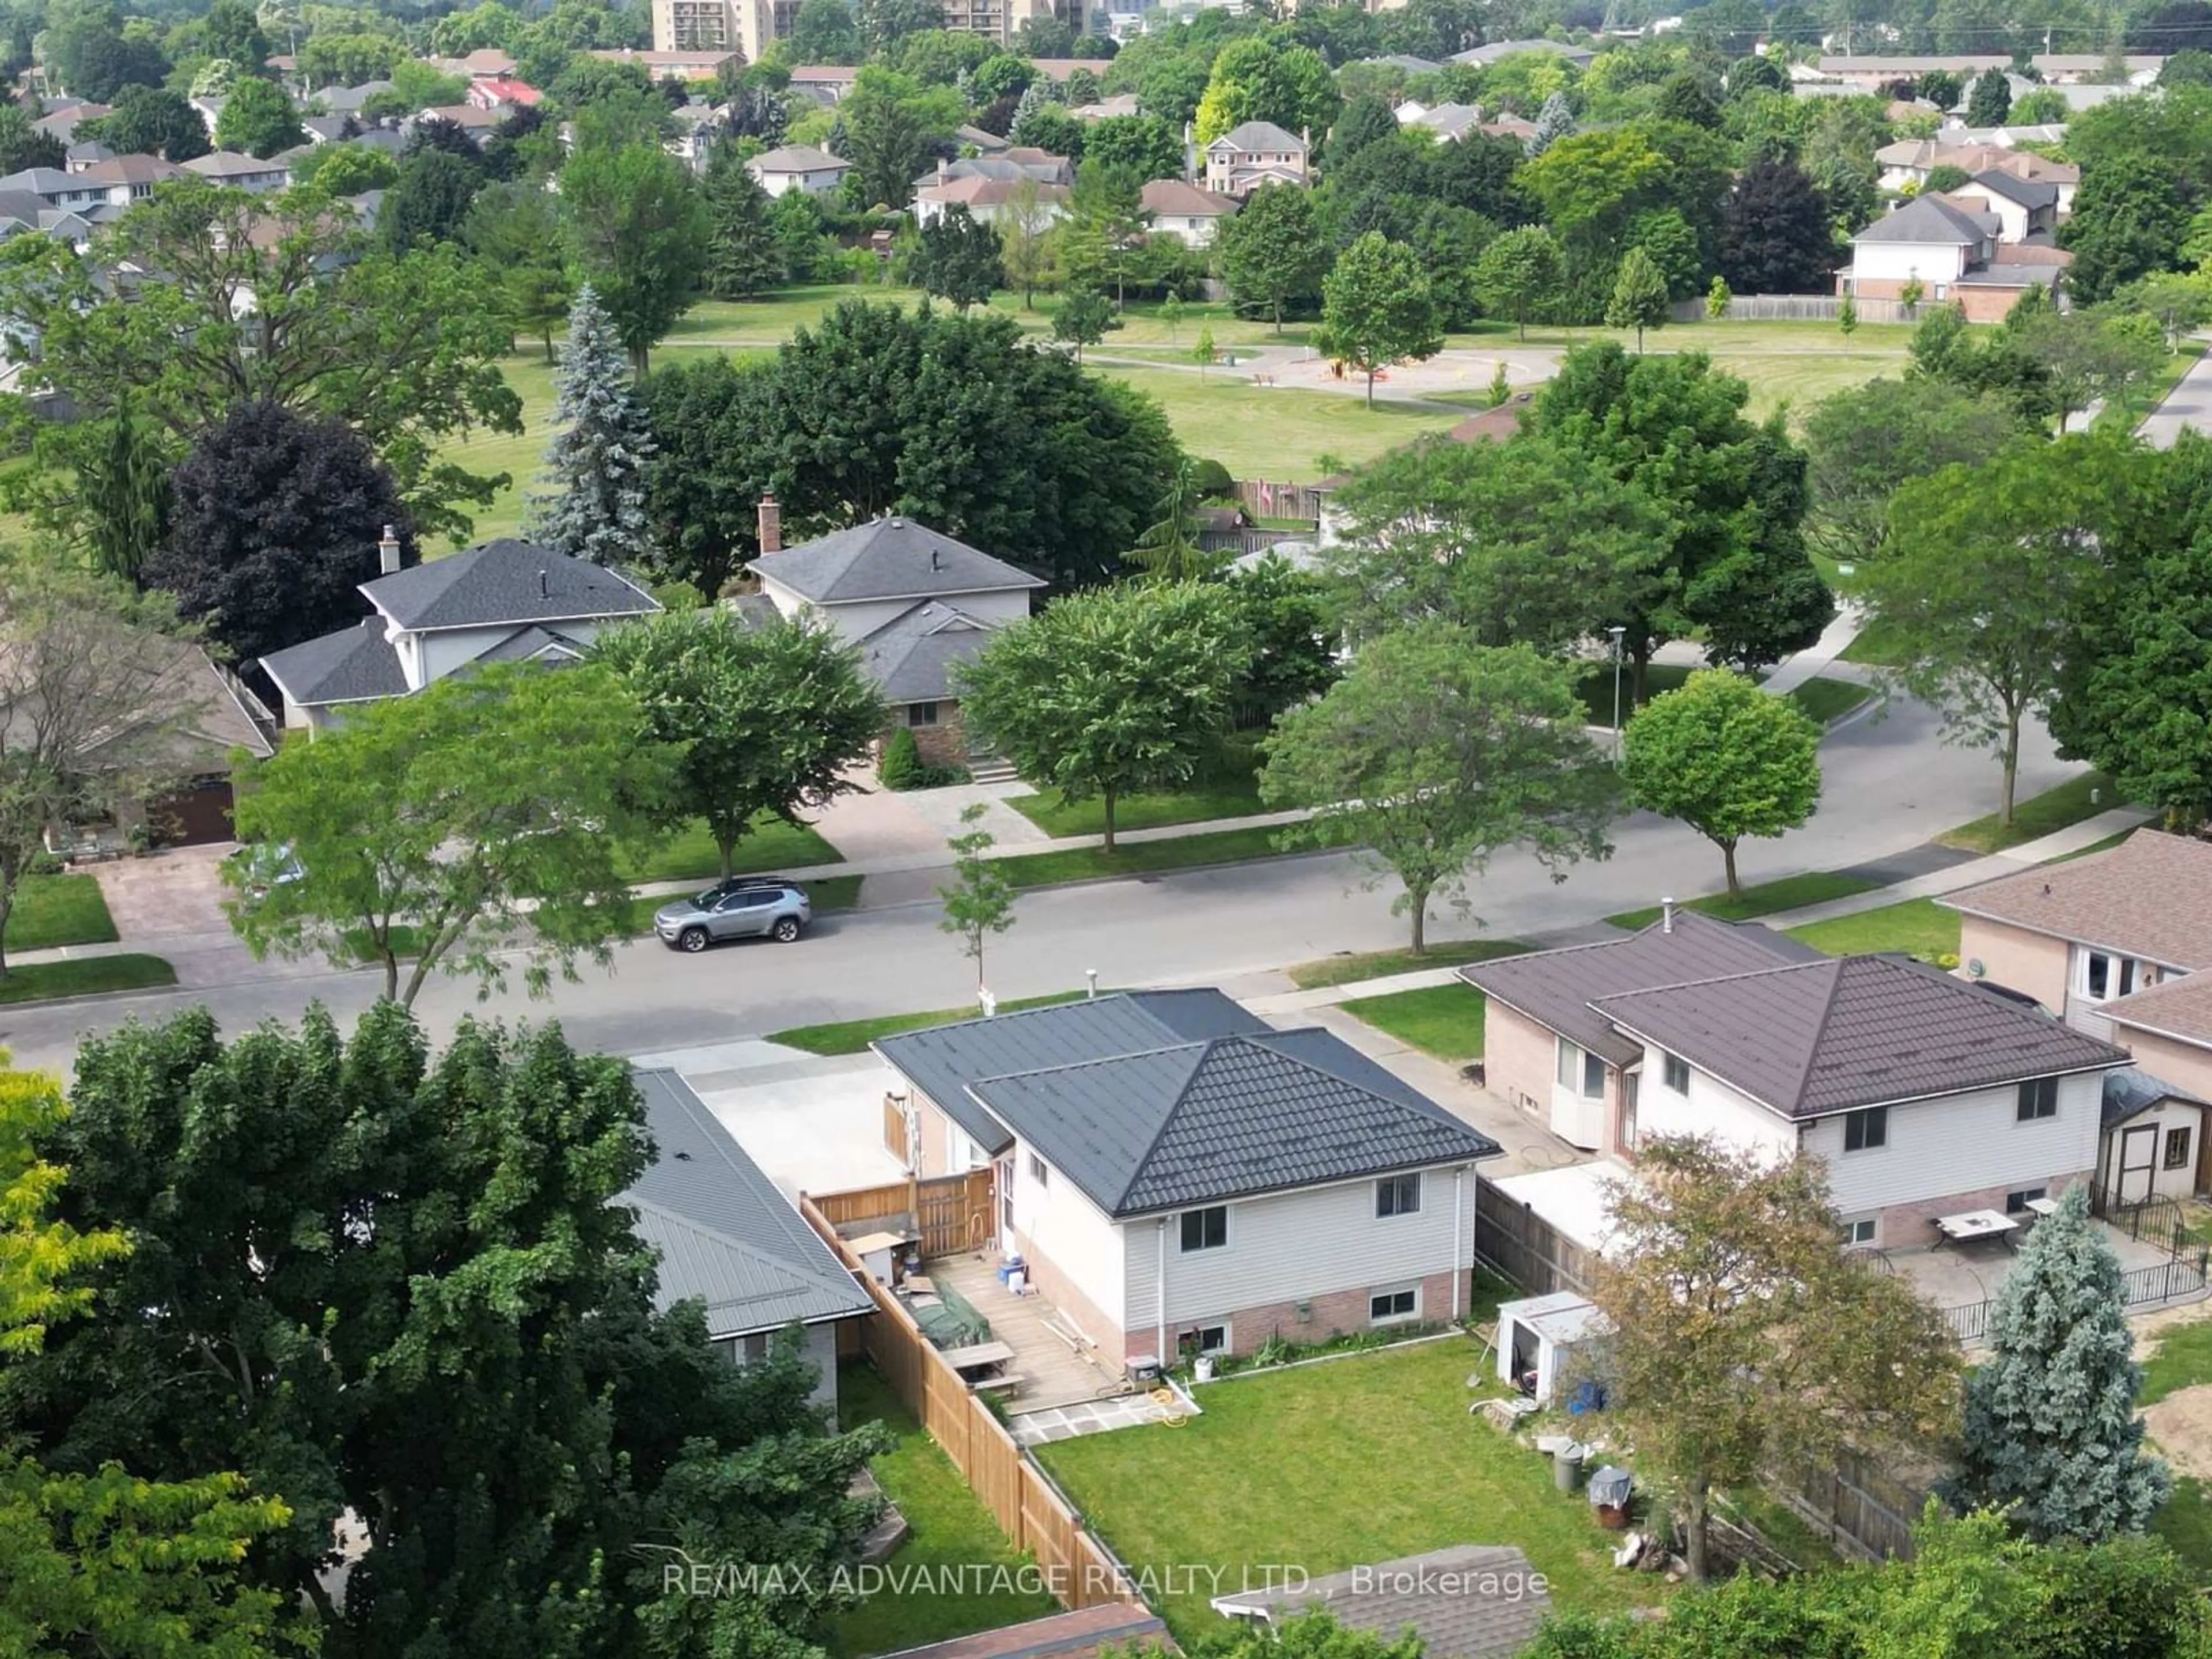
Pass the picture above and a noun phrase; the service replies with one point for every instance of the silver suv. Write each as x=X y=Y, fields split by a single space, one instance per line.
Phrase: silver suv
x=747 y=907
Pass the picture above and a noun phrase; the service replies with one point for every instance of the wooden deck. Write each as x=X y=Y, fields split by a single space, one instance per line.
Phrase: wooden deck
x=1051 y=1373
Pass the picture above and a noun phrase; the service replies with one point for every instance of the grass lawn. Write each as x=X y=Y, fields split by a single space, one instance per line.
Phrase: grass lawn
x=1231 y=791
x=2182 y=1360
x=852 y=1037
x=1442 y=1020
x=1136 y=858
x=1875 y=646
x=2185 y=1522
x=1920 y=926
x=1595 y=688
x=690 y=854
x=1825 y=700
x=1764 y=898
x=87 y=976
x=1349 y=967
x=2054 y=809
x=1274 y=431
x=53 y=910
x=1326 y=1466
x=948 y=1527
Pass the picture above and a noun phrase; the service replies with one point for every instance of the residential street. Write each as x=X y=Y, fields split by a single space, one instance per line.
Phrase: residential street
x=1890 y=784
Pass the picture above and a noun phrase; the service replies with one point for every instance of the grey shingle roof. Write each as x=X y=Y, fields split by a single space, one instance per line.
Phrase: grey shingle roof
x=1234 y=1117
x=1927 y=219
x=2030 y=193
x=504 y=581
x=727 y=1237
x=909 y=658
x=1826 y=1036
x=798 y=158
x=1468 y=1601
x=350 y=665
x=2149 y=896
x=887 y=559
x=1556 y=988
x=527 y=643
x=1250 y=137
x=2131 y=1090
x=942 y=1060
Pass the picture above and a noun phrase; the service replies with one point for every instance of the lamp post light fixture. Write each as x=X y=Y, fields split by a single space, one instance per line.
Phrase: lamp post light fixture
x=1617 y=631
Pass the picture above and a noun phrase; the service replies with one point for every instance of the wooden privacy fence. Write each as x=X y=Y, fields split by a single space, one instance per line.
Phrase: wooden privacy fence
x=1072 y=1563
x=1800 y=308
x=951 y=1212
x=1264 y=499
x=1860 y=1506
x=1512 y=1240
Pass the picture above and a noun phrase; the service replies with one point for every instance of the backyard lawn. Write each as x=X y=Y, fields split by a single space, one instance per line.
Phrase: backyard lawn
x=1325 y=1467
x=1230 y=791
x=1442 y=1020
x=2054 y=809
x=54 y=910
x=1764 y=898
x=948 y=1528
x=1275 y=432
x=1920 y=926
x=1141 y=857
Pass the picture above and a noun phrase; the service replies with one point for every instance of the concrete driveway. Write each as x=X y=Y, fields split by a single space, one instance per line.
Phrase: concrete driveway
x=166 y=895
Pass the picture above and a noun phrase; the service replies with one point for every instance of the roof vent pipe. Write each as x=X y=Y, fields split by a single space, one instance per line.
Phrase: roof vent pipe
x=1667 y=915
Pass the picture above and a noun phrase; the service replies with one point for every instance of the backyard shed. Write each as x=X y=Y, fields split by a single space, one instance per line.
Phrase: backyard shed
x=1543 y=1333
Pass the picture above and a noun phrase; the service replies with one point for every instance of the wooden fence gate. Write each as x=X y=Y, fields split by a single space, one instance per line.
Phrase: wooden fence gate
x=950 y=1212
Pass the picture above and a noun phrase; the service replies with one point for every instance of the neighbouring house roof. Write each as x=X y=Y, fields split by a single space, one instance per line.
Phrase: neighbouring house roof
x=1253 y=137
x=2150 y=897
x=1406 y=62
x=988 y=192
x=2180 y=1009
x=1121 y=103
x=484 y=61
x=1497 y=49
x=504 y=580
x=986 y=143
x=707 y=57
x=1008 y=166
x=798 y=158
x=2030 y=193
x=231 y=164
x=822 y=74
x=1178 y=198
x=1229 y=1117
x=342 y=100
x=507 y=89
x=354 y=665
x=726 y=1237
x=43 y=181
x=1467 y=1602
x=2011 y=276
x=1930 y=219
x=61 y=122
x=910 y=658
x=1082 y=1635
x=890 y=558
x=1059 y=68
x=534 y=644
x=1555 y=988
x=1499 y=422
x=131 y=170
x=471 y=116
x=1827 y=1037
x=942 y=1060
x=2131 y=1091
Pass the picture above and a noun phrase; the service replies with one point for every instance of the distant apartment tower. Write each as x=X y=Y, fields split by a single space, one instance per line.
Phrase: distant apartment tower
x=746 y=26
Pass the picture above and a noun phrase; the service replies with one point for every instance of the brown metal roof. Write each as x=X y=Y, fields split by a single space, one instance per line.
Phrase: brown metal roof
x=1058 y=1636
x=1827 y=1037
x=1468 y=1601
x=2150 y=897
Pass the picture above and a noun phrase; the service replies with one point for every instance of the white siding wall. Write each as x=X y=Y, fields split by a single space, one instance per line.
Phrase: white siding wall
x=1962 y=1143
x=2164 y=1182
x=1711 y=1108
x=1293 y=1247
x=1060 y=1225
x=1931 y=262
x=857 y=620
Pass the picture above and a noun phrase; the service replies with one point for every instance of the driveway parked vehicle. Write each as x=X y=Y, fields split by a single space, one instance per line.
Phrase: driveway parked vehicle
x=745 y=907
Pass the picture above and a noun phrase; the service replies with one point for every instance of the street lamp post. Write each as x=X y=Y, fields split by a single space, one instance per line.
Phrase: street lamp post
x=1617 y=630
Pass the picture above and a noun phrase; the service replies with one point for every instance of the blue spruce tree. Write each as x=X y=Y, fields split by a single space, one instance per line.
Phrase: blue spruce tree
x=2051 y=1425
x=1554 y=121
x=591 y=502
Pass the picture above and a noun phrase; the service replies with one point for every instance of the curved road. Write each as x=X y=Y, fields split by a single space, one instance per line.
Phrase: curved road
x=1890 y=784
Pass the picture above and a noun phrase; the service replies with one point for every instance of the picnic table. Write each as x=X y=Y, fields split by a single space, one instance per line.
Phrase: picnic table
x=977 y=1357
x=1970 y=1225
x=2043 y=1206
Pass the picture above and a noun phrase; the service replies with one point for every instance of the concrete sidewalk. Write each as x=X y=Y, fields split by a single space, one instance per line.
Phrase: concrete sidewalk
x=1808 y=664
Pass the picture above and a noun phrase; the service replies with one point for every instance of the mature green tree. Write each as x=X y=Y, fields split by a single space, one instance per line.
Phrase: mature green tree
x=1284 y=614
x=2130 y=219
x=1436 y=753
x=1168 y=550
x=1639 y=296
x=894 y=129
x=1763 y=600
x=826 y=32
x=120 y=494
x=22 y=146
x=1143 y=144
x=1272 y=253
x=641 y=231
x=90 y=51
x=1520 y=275
x=1257 y=79
x=1517 y=542
x=404 y=349
x=433 y=831
x=1744 y=1340
x=1991 y=101
x=1555 y=119
x=1723 y=756
x=149 y=121
x=1985 y=565
x=258 y=119
x=1108 y=692
x=345 y=169
x=1082 y=319
x=767 y=720
x=1865 y=443
x=331 y=58
x=743 y=257
x=1778 y=235
x=429 y=200
x=955 y=257
x=1377 y=309
x=1363 y=121
x=516 y=232
x=1025 y=236
x=1604 y=191
x=708 y=469
x=1050 y=128
x=980 y=901
x=1105 y=234
x=2092 y=356
x=590 y=504
x=2052 y=1434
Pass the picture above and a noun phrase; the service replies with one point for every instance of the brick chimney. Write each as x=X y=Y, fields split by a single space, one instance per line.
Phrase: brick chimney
x=771 y=524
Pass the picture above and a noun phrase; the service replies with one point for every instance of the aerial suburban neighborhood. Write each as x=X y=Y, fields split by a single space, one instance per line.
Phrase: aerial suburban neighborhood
x=967 y=829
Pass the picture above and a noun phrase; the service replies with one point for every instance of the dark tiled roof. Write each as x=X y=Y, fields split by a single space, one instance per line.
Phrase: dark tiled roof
x=1926 y=219
x=2030 y=193
x=1469 y=1602
x=2149 y=896
x=350 y=665
x=887 y=559
x=1556 y=988
x=504 y=581
x=727 y=1237
x=2131 y=1090
x=942 y=1060
x=1825 y=1037
x=909 y=658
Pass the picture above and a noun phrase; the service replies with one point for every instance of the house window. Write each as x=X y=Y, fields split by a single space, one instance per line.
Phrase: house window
x=1037 y=1171
x=921 y=713
x=1593 y=1077
x=2177 y=1149
x=1398 y=1195
x=1866 y=1128
x=2039 y=1098
x=1389 y=1307
x=1205 y=1230
x=1203 y=1339
x=1677 y=1072
x=1570 y=1062
x=1859 y=1230
x=2106 y=976
x=2015 y=1202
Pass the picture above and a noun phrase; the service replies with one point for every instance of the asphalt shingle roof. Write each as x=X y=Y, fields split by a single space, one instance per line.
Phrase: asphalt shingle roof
x=504 y=580
x=2030 y=193
x=2150 y=897
x=942 y=1060
x=351 y=666
x=799 y=158
x=887 y=559
x=1249 y=137
x=1468 y=1602
x=727 y=1237
x=2180 y=1008
x=1826 y=1036
x=1925 y=219
x=1556 y=988
x=910 y=657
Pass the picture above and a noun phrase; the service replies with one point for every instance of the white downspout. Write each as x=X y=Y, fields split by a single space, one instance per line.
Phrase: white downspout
x=1160 y=1296
x=1459 y=1197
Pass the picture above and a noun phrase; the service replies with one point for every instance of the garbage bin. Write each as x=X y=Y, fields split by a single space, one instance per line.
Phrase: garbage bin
x=1567 y=1467
x=1608 y=1495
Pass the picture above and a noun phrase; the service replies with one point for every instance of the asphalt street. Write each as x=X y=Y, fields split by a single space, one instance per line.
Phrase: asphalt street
x=1890 y=783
